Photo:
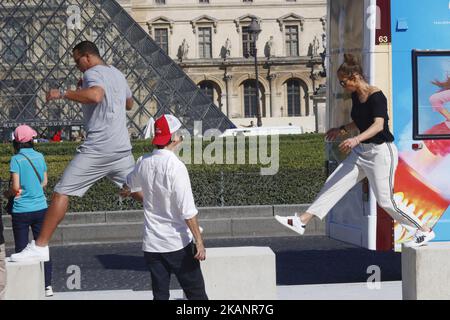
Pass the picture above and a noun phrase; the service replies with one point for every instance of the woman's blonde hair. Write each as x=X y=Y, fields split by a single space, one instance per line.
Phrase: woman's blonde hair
x=350 y=67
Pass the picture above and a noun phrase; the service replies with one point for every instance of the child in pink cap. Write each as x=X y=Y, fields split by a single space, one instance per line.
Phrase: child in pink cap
x=24 y=134
x=28 y=172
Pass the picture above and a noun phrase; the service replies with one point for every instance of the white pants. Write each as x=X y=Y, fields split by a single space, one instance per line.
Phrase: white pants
x=377 y=162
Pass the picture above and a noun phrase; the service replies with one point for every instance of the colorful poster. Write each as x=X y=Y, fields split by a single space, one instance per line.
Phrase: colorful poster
x=432 y=99
x=421 y=66
x=423 y=175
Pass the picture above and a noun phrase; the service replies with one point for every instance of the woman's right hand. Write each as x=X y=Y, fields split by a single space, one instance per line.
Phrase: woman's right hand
x=332 y=134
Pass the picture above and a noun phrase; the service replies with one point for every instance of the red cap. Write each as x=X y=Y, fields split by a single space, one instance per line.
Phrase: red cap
x=165 y=126
x=24 y=133
x=162 y=132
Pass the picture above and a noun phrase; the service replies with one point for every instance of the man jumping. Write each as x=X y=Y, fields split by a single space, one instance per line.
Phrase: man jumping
x=106 y=152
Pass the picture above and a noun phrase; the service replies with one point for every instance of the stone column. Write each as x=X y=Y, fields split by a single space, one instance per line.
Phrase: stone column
x=271 y=77
x=227 y=78
x=320 y=104
x=223 y=102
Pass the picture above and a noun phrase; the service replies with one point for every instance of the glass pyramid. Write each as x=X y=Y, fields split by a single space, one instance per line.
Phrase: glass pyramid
x=36 y=41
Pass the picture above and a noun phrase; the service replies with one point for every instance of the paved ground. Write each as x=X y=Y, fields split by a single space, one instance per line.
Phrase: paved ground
x=300 y=261
x=339 y=291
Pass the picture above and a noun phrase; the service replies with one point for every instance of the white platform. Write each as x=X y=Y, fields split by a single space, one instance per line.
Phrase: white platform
x=240 y=273
x=341 y=291
x=426 y=272
x=24 y=280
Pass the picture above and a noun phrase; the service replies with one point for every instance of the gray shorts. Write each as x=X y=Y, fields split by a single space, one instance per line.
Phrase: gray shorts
x=85 y=169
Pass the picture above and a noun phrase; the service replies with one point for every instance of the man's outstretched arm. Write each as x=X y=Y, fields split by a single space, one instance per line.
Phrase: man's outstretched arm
x=92 y=95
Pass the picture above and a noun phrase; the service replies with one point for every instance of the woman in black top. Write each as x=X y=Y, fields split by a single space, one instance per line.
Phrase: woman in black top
x=371 y=154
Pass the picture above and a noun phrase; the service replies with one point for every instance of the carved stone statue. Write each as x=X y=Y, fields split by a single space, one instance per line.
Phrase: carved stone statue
x=183 y=50
x=323 y=55
x=269 y=49
x=324 y=41
x=315 y=46
x=225 y=52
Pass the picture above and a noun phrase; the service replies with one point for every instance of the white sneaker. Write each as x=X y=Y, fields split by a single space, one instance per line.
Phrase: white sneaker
x=32 y=252
x=292 y=222
x=420 y=239
x=49 y=291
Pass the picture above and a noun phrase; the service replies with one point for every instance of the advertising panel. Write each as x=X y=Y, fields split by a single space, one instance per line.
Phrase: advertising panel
x=421 y=66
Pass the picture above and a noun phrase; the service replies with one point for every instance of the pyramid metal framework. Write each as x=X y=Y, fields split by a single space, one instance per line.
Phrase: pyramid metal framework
x=36 y=41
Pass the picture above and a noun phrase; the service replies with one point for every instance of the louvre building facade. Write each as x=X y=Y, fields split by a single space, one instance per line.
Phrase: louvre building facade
x=210 y=40
x=187 y=57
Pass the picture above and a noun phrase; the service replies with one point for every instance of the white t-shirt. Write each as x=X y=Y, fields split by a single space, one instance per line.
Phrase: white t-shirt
x=168 y=200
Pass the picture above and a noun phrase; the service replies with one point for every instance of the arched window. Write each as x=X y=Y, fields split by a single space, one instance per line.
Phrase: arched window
x=212 y=91
x=249 y=99
x=250 y=106
x=208 y=89
x=293 y=95
x=297 y=98
x=15 y=39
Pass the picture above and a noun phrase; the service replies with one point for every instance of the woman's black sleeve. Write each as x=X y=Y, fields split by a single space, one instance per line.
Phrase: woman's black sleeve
x=379 y=105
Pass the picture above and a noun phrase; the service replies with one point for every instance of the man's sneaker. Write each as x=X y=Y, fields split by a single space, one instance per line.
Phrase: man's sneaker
x=292 y=222
x=420 y=239
x=32 y=252
x=49 y=291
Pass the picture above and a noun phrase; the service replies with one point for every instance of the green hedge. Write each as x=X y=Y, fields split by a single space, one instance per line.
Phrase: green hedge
x=299 y=178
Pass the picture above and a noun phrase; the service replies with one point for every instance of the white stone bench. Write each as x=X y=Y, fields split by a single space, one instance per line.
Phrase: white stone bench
x=426 y=272
x=240 y=273
x=24 y=281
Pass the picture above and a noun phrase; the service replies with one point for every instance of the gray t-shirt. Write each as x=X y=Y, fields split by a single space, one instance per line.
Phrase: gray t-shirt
x=105 y=123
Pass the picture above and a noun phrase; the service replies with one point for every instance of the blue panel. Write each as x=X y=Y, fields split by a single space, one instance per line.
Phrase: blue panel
x=428 y=24
x=428 y=28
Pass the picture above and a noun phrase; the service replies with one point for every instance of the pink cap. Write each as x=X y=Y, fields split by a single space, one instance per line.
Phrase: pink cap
x=24 y=133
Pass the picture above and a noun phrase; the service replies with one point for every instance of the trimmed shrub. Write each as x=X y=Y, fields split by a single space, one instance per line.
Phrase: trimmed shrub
x=298 y=180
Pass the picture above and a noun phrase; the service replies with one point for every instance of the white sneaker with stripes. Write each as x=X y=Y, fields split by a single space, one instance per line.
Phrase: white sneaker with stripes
x=420 y=238
x=292 y=222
